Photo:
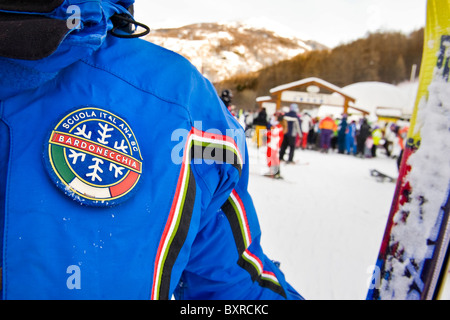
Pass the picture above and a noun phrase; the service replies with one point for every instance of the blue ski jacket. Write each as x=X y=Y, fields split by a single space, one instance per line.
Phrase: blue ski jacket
x=123 y=176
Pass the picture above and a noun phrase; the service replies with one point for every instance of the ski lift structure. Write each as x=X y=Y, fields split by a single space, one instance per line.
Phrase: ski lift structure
x=311 y=94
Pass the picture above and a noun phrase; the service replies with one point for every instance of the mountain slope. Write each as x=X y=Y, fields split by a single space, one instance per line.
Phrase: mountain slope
x=222 y=50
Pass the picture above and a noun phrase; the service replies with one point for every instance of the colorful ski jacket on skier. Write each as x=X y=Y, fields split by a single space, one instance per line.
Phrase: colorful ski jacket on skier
x=293 y=124
x=327 y=124
x=377 y=135
x=123 y=176
x=274 y=140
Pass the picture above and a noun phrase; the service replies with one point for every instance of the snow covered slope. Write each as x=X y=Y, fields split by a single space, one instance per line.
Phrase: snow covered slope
x=325 y=221
x=220 y=50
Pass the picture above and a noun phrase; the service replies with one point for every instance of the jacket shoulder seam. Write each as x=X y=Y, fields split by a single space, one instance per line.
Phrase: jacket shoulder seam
x=136 y=86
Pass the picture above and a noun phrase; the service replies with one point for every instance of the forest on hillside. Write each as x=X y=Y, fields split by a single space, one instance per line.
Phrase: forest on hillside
x=383 y=56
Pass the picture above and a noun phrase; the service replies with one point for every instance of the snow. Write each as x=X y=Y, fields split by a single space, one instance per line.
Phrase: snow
x=372 y=94
x=305 y=81
x=265 y=23
x=324 y=221
x=217 y=54
x=429 y=178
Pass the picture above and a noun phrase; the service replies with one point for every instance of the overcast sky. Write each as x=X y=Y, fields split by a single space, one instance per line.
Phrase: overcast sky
x=331 y=22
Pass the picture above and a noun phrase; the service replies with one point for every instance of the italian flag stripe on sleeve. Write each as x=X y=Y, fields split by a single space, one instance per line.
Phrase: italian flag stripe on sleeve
x=176 y=229
x=235 y=212
x=201 y=146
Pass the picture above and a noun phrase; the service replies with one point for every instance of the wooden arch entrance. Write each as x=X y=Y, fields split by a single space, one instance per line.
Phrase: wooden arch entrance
x=310 y=93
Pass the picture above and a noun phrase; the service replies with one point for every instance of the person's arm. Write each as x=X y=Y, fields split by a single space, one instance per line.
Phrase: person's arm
x=226 y=260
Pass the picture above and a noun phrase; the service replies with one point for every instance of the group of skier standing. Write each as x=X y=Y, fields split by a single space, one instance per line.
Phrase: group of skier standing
x=290 y=129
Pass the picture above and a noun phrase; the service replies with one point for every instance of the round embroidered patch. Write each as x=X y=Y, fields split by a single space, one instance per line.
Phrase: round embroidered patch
x=94 y=157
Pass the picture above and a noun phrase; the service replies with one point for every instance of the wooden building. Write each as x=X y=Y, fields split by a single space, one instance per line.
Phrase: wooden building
x=310 y=93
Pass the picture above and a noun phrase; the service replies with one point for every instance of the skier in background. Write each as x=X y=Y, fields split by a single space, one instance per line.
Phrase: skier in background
x=350 y=136
x=389 y=138
x=293 y=130
x=342 y=131
x=275 y=137
x=314 y=135
x=307 y=124
x=260 y=123
x=327 y=127
x=377 y=135
x=227 y=96
x=363 y=133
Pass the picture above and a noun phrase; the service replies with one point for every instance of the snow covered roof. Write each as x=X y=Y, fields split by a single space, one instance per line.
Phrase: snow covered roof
x=371 y=95
x=389 y=112
x=263 y=99
x=311 y=81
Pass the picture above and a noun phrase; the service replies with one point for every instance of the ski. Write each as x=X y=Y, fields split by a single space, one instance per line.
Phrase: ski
x=295 y=162
x=413 y=257
x=380 y=176
x=273 y=176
